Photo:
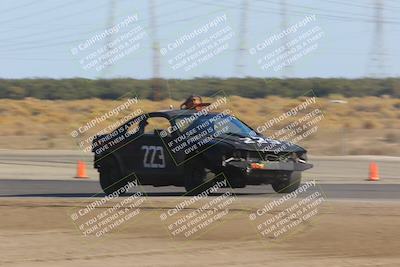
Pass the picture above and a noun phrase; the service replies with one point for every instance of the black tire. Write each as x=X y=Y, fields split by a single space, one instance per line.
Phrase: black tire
x=111 y=179
x=289 y=185
x=196 y=178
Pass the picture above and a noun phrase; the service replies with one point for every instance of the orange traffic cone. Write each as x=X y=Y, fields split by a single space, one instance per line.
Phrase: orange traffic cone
x=81 y=170
x=373 y=172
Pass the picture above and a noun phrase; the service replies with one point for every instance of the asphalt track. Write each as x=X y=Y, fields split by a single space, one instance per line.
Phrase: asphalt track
x=85 y=189
x=61 y=165
x=49 y=173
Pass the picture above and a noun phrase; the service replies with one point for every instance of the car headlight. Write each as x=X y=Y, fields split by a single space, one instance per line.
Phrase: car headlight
x=303 y=157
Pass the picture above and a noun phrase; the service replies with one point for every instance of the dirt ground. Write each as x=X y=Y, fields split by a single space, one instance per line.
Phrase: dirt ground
x=40 y=232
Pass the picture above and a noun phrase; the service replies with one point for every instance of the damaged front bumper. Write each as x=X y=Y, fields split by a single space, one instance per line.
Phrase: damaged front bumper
x=266 y=166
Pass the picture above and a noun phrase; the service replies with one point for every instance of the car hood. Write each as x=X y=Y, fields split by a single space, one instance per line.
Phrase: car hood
x=259 y=143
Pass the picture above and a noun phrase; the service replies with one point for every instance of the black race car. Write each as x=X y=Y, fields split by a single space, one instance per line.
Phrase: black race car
x=195 y=149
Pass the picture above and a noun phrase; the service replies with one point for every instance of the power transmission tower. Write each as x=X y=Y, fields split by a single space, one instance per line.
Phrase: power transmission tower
x=240 y=65
x=377 y=65
x=110 y=37
x=286 y=70
x=155 y=94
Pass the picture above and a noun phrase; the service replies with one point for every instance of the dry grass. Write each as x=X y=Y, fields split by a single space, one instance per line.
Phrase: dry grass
x=368 y=125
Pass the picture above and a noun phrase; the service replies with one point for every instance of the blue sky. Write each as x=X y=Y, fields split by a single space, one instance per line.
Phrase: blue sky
x=37 y=37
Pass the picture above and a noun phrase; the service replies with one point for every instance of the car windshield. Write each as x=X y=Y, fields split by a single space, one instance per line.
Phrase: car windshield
x=213 y=123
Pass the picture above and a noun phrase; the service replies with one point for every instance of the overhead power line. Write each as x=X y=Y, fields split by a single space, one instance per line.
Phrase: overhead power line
x=39 y=12
x=18 y=7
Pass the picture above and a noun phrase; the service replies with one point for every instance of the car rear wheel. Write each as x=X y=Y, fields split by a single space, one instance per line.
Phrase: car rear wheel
x=111 y=179
x=289 y=185
x=196 y=178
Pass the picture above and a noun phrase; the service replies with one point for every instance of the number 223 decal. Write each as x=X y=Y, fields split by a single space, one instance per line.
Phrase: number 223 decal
x=153 y=157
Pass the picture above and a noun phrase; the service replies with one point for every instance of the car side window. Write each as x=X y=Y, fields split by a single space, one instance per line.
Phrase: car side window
x=156 y=123
x=224 y=124
x=132 y=127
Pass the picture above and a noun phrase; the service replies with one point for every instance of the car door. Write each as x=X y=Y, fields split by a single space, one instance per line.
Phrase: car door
x=153 y=163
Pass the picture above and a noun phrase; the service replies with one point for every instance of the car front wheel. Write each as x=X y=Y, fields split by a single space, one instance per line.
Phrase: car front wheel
x=288 y=185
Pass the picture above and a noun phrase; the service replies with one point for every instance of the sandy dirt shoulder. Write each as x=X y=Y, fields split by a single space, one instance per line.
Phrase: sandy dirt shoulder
x=40 y=232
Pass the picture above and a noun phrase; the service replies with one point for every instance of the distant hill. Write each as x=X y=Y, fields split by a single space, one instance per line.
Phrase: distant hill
x=79 y=88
